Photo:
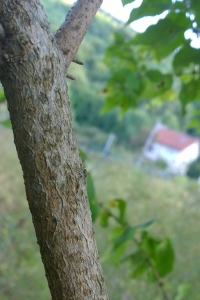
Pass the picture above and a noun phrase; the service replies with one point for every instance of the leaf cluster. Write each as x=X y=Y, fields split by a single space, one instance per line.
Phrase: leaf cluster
x=134 y=245
x=143 y=78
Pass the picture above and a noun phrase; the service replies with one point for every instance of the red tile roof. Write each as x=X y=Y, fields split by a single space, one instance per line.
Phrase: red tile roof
x=173 y=139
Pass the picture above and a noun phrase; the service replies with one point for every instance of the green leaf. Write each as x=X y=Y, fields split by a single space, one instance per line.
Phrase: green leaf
x=145 y=224
x=82 y=154
x=170 y=29
x=185 y=56
x=110 y=103
x=140 y=269
x=149 y=8
x=7 y=123
x=164 y=257
x=104 y=216
x=121 y=205
x=183 y=291
x=125 y=101
x=148 y=244
x=180 y=6
x=161 y=82
x=194 y=123
x=2 y=96
x=157 y=84
x=154 y=75
x=188 y=93
x=127 y=235
x=124 y=2
x=115 y=233
x=195 y=8
x=94 y=206
x=116 y=253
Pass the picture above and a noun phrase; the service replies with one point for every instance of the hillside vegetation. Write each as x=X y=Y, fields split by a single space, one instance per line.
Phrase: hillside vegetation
x=87 y=93
x=174 y=203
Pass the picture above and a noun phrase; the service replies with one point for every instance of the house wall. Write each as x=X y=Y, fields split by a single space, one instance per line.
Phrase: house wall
x=159 y=151
x=185 y=157
x=177 y=160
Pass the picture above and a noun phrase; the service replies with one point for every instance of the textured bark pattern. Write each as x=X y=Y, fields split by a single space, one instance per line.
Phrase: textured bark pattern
x=72 y=31
x=32 y=73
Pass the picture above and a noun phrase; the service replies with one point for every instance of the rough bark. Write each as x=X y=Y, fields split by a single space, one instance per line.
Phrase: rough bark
x=32 y=71
x=72 y=31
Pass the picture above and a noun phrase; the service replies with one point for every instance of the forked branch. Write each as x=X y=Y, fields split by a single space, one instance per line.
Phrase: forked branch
x=70 y=34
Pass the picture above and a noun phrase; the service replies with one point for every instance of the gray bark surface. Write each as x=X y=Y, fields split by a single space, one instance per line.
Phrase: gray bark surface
x=72 y=31
x=32 y=71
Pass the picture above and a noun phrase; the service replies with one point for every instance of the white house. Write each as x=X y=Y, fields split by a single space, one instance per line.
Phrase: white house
x=177 y=149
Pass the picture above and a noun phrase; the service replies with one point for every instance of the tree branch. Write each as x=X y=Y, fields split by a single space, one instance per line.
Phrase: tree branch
x=70 y=35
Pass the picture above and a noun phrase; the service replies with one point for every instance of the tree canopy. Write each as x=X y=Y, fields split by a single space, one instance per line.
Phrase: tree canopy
x=159 y=64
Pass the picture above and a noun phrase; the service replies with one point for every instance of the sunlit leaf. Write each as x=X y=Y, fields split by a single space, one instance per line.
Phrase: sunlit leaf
x=104 y=216
x=157 y=84
x=83 y=155
x=179 y=6
x=117 y=253
x=164 y=257
x=154 y=75
x=115 y=233
x=124 y=2
x=166 y=35
x=149 y=8
x=121 y=205
x=148 y=244
x=127 y=235
x=195 y=8
x=139 y=270
x=188 y=92
x=2 y=96
x=145 y=224
x=6 y=123
x=183 y=291
x=186 y=56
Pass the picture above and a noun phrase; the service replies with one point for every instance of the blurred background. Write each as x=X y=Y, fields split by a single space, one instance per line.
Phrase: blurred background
x=113 y=134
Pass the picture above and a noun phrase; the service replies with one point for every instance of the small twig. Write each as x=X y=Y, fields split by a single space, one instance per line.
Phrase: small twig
x=70 y=34
x=70 y=77
x=77 y=61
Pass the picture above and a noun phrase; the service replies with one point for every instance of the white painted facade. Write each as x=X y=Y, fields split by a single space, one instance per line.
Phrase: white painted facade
x=158 y=151
x=176 y=159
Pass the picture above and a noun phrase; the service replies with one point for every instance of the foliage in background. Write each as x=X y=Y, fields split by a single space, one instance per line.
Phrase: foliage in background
x=170 y=202
x=159 y=64
x=86 y=93
x=194 y=169
x=145 y=257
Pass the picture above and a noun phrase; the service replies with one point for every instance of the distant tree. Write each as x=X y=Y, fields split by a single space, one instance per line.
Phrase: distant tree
x=33 y=66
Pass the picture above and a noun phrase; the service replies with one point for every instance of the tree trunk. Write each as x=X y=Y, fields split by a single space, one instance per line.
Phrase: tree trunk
x=32 y=71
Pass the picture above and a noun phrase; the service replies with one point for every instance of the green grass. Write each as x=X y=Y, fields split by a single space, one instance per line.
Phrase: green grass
x=21 y=270
x=175 y=204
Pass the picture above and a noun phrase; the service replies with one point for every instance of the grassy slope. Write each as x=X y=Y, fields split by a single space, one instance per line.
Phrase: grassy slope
x=21 y=271
x=175 y=204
